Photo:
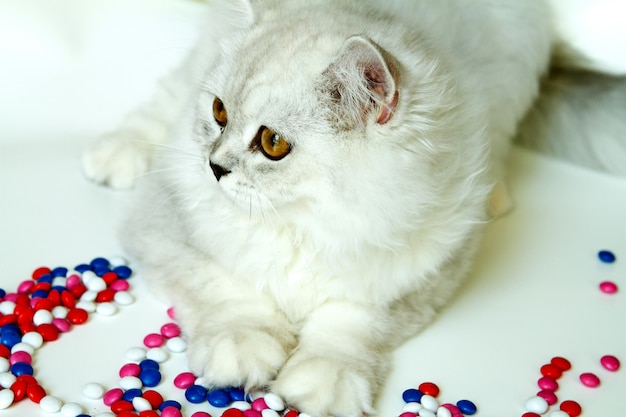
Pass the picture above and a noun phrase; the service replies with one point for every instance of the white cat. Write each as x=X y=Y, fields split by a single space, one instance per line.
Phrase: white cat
x=330 y=167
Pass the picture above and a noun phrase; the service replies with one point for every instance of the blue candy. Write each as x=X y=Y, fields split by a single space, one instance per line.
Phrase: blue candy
x=237 y=394
x=148 y=364
x=123 y=271
x=97 y=263
x=150 y=377
x=412 y=395
x=219 y=398
x=39 y=294
x=196 y=394
x=12 y=328
x=21 y=368
x=47 y=278
x=59 y=271
x=467 y=407
x=82 y=268
x=170 y=403
x=132 y=393
x=606 y=256
x=10 y=338
x=2 y=293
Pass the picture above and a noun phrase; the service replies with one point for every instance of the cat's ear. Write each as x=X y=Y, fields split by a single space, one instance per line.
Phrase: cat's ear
x=363 y=81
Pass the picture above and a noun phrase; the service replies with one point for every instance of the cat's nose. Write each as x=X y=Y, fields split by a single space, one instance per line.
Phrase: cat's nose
x=218 y=171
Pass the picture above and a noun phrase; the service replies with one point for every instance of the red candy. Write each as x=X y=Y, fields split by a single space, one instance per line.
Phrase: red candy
x=530 y=414
x=232 y=412
x=561 y=363
x=35 y=392
x=551 y=371
x=48 y=331
x=154 y=398
x=120 y=405
x=429 y=388
x=105 y=296
x=571 y=407
x=549 y=396
x=68 y=299
x=148 y=413
x=41 y=271
x=128 y=414
x=4 y=352
x=77 y=316
x=19 y=389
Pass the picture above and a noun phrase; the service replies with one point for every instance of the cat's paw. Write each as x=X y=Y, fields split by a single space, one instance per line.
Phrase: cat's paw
x=115 y=160
x=245 y=357
x=322 y=386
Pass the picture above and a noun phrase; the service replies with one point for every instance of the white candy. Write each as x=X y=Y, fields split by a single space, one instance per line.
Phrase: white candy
x=60 y=312
x=130 y=382
x=6 y=398
x=88 y=276
x=537 y=405
x=123 y=298
x=50 y=404
x=429 y=402
x=427 y=413
x=4 y=365
x=141 y=404
x=268 y=412
x=23 y=347
x=71 y=410
x=33 y=339
x=558 y=413
x=59 y=282
x=88 y=306
x=241 y=405
x=412 y=407
x=7 y=379
x=136 y=354
x=106 y=309
x=93 y=391
x=42 y=317
x=7 y=307
x=157 y=354
x=96 y=284
x=274 y=402
x=89 y=296
x=444 y=412
x=176 y=344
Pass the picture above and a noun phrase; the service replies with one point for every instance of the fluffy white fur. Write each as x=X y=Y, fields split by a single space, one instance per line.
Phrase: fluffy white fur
x=302 y=274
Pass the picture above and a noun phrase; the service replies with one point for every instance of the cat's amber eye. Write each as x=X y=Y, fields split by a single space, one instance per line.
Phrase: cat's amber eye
x=219 y=112
x=273 y=145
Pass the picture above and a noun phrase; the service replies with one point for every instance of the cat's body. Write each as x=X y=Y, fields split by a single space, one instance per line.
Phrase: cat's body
x=302 y=265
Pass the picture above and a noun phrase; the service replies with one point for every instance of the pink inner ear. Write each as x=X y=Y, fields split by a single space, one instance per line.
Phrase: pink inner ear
x=386 y=112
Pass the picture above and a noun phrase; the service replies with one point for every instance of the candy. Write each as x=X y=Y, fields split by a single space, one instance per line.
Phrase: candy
x=7 y=379
x=184 y=380
x=548 y=383
x=130 y=369
x=196 y=394
x=141 y=404
x=274 y=402
x=219 y=398
x=549 y=396
x=50 y=404
x=171 y=412
x=551 y=371
x=6 y=398
x=589 y=379
x=444 y=412
x=558 y=413
x=429 y=402
x=93 y=390
x=71 y=410
x=537 y=405
x=608 y=287
x=610 y=363
x=150 y=377
x=153 y=340
x=467 y=407
x=130 y=382
x=157 y=354
x=176 y=345
x=606 y=256
x=572 y=408
x=112 y=396
x=412 y=395
x=429 y=388
x=106 y=309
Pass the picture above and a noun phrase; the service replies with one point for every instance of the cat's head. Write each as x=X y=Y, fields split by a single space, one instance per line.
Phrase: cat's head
x=341 y=133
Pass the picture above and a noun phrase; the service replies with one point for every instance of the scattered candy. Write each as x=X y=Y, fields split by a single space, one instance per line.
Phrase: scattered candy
x=610 y=363
x=590 y=380
x=572 y=408
x=606 y=256
x=537 y=405
x=608 y=287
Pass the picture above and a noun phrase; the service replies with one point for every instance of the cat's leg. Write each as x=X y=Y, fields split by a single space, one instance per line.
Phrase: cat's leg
x=339 y=363
x=236 y=336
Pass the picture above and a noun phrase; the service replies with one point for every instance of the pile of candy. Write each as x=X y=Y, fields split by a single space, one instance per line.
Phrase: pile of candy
x=423 y=402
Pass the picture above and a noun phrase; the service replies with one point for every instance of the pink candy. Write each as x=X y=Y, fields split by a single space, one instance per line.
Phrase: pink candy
x=170 y=330
x=589 y=380
x=171 y=412
x=549 y=396
x=20 y=356
x=119 y=285
x=259 y=405
x=608 y=287
x=184 y=380
x=610 y=363
x=112 y=396
x=130 y=369
x=62 y=325
x=25 y=287
x=153 y=340
x=548 y=383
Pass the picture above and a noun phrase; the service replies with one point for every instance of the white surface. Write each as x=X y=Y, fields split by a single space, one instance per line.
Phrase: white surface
x=77 y=67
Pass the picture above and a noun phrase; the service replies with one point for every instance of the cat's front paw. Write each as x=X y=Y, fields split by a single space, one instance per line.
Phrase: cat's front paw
x=244 y=357
x=322 y=386
x=116 y=160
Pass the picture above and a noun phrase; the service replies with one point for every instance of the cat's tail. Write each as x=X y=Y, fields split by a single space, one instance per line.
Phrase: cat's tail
x=580 y=116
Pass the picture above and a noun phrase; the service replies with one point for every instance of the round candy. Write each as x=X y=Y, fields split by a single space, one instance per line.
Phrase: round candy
x=412 y=395
x=170 y=330
x=34 y=339
x=218 y=398
x=558 y=413
x=123 y=298
x=590 y=380
x=149 y=364
x=536 y=405
x=176 y=344
x=253 y=413
x=130 y=394
x=7 y=379
x=201 y=414
x=274 y=402
x=6 y=398
x=549 y=396
x=118 y=406
x=232 y=412
x=157 y=354
x=50 y=404
x=572 y=408
x=93 y=391
x=237 y=394
x=561 y=363
x=548 y=383
x=141 y=404
x=241 y=405
x=106 y=309
x=136 y=354
x=130 y=382
x=154 y=398
x=551 y=370
x=196 y=394
x=467 y=407
x=268 y=412
x=429 y=388
x=259 y=404
x=171 y=411
x=22 y=368
x=170 y=403
x=606 y=256
x=429 y=402
x=130 y=369
x=35 y=392
x=153 y=340
x=184 y=380
x=112 y=396
x=413 y=407
x=71 y=410
x=610 y=363
x=423 y=413
x=608 y=287
x=5 y=365
x=77 y=316
x=150 y=377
